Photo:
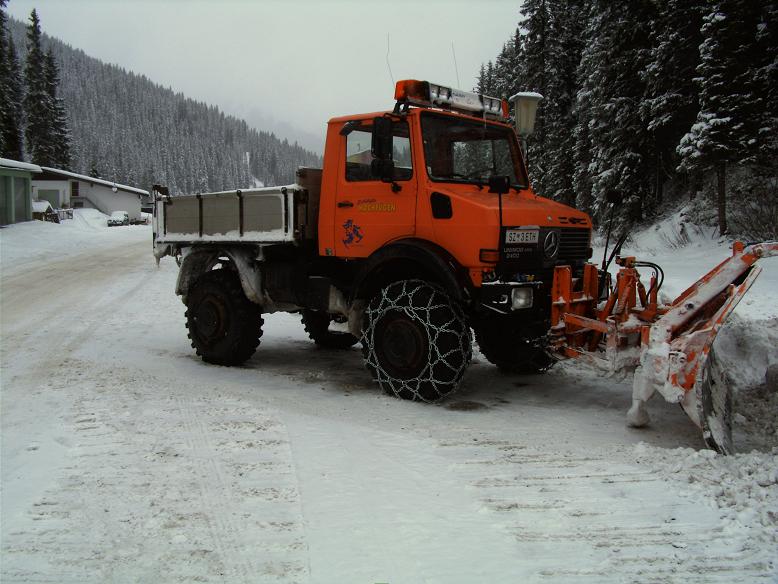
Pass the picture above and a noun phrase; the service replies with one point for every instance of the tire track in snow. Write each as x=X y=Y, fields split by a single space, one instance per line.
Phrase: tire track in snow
x=220 y=495
x=139 y=490
x=600 y=517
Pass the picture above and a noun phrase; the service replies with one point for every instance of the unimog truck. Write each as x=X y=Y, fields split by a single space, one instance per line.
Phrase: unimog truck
x=420 y=228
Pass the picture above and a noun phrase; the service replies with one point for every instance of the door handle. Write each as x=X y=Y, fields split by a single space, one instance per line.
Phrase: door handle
x=342 y=204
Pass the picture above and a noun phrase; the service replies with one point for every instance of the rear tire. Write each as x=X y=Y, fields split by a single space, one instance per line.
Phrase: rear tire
x=505 y=343
x=317 y=326
x=416 y=342
x=224 y=326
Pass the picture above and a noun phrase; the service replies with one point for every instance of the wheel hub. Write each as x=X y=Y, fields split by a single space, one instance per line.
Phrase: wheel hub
x=402 y=345
x=211 y=319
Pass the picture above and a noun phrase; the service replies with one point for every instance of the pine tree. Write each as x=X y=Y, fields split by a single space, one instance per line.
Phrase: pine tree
x=534 y=77
x=766 y=85
x=6 y=108
x=671 y=102
x=621 y=149
x=587 y=97
x=4 y=101
x=37 y=104
x=565 y=44
x=59 y=133
x=726 y=128
x=14 y=147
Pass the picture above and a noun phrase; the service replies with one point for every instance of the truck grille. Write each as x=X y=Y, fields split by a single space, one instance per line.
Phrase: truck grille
x=531 y=259
x=573 y=244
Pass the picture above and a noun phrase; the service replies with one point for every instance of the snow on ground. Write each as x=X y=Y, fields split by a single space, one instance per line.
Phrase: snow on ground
x=36 y=242
x=127 y=459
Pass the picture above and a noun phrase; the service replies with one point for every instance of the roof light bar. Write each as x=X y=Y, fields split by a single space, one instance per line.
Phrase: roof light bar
x=424 y=93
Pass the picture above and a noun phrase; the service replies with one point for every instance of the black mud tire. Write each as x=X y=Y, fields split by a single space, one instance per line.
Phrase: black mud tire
x=224 y=326
x=507 y=344
x=416 y=341
x=317 y=326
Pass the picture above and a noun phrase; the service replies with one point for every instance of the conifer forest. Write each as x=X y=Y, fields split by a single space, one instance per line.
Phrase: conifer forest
x=64 y=109
x=655 y=100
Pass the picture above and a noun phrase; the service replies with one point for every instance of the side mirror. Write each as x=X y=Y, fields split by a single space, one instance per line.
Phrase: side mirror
x=381 y=146
x=383 y=169
x=499 y=184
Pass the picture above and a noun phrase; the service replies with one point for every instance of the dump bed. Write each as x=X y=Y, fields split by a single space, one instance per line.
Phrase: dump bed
x=254 y=216
x=286 y=214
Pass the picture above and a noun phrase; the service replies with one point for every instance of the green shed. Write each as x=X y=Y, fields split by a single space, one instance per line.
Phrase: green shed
x=16 y=190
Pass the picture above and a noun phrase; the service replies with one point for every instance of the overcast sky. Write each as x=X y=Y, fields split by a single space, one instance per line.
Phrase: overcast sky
x=299 y=62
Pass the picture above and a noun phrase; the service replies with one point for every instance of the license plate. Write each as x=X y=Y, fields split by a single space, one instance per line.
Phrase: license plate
x=521 y=236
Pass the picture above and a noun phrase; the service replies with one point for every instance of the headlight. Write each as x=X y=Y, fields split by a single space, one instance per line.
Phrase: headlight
x=521 y=298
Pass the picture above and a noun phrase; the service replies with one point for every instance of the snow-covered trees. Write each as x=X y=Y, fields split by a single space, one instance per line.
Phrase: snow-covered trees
x=59 y=134
x=124 y=128
x=32 y=117
x=620 y=149
x=726 y=127
x=651 y=98
x=10 y=95
x=36 y=132
x=671 y=103
x=563 y=46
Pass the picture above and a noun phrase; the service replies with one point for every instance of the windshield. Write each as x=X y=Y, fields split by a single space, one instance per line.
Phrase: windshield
x=467 y=151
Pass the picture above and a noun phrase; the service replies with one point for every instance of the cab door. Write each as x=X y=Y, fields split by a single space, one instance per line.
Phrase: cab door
x=368 y=211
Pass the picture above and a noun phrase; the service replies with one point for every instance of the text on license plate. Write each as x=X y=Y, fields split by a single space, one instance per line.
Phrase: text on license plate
x=521 y=236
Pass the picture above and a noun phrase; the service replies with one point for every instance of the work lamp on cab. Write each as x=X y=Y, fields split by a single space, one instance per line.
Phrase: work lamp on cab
x=426 y=94
x=526 y=106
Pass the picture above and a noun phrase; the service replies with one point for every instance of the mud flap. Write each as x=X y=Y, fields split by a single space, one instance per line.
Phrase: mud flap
x=714 y=401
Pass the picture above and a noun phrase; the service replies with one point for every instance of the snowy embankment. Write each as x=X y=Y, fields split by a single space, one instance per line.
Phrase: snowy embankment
x=127 y=459
x=33 y=243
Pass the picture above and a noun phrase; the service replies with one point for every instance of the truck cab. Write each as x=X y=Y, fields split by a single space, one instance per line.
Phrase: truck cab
x=431 y=186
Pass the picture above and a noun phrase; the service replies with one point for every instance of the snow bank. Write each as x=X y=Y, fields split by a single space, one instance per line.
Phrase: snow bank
x=744 y=487
x=24 y=245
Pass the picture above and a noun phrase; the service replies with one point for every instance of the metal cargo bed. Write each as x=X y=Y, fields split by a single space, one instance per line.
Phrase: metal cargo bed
x=264 y=215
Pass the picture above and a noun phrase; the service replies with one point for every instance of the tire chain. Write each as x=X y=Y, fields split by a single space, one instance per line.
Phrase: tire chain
x=425 y=386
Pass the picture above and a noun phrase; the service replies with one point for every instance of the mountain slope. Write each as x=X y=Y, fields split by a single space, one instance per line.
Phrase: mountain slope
x=137 y=132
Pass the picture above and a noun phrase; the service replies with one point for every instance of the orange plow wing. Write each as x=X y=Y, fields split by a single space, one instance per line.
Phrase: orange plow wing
x=669 y=346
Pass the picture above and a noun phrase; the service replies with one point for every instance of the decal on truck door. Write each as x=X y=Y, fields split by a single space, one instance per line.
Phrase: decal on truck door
x=352 y=234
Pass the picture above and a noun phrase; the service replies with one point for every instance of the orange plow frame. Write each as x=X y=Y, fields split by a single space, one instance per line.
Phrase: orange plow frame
x=667 y=346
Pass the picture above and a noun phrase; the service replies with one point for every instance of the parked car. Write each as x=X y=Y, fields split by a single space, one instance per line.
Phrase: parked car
x=119 y=218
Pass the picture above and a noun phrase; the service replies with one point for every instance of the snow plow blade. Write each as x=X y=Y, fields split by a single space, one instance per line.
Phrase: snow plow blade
x=714 y=398
x=668 y=346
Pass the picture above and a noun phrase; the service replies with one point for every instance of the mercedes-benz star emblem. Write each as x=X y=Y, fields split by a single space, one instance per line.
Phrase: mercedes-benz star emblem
x=551 y=244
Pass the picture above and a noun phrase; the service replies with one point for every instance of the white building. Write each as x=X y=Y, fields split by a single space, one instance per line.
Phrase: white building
x=68 y=189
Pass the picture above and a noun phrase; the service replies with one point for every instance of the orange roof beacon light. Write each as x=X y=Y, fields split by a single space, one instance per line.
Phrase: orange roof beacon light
x=426 y=94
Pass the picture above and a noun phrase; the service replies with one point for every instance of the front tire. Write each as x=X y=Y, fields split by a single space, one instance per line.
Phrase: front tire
x=416 y=342
x=224 y=326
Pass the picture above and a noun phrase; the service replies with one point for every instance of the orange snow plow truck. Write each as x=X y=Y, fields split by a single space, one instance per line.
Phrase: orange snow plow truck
x=420 y=229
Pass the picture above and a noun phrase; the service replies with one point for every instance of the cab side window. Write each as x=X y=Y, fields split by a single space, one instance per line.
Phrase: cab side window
x=359 y=156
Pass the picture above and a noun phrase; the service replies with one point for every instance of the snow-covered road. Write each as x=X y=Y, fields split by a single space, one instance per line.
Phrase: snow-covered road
x=127 y=459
